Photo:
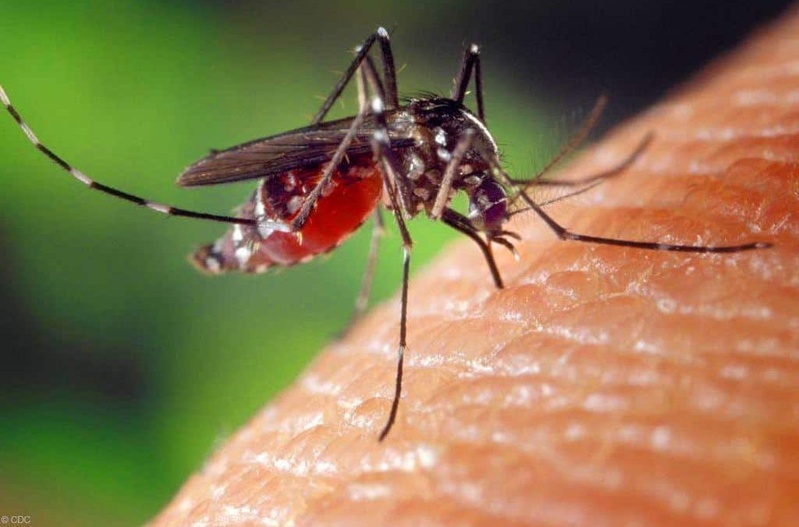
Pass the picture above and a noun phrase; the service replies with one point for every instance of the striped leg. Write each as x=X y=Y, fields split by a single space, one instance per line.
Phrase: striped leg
x=470 y=66
x=565 y=234
x=94 y=185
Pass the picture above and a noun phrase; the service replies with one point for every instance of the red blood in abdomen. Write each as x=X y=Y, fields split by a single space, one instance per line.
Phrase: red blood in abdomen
x=336 y=216
x=353 y=194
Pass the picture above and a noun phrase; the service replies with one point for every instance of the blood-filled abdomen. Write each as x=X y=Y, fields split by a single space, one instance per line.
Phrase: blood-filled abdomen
x=353 y=193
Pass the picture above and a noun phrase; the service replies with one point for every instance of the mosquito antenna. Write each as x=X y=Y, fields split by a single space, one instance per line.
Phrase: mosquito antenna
x=616 y=170
x=573 y=142
x=111 y=191
x=592 y=181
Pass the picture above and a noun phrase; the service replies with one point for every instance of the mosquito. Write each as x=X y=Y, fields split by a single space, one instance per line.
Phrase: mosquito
x=318 y=184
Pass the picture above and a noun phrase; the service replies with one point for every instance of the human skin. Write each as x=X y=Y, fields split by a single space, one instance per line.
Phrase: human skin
x=604 y=386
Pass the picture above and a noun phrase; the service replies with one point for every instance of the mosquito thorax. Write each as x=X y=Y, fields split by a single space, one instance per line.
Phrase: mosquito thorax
x=439 y=124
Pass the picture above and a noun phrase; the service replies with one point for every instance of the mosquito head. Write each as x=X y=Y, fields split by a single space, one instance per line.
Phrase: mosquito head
x=488 y=206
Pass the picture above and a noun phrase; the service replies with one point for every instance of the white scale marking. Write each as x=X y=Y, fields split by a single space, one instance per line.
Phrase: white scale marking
x=80 y=176
x=441 y=137
x=158 y=207
x=29 y=133
x=243 y=254
x=238 y=234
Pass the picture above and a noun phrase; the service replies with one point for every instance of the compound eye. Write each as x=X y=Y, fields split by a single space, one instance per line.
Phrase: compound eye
x=488 y=206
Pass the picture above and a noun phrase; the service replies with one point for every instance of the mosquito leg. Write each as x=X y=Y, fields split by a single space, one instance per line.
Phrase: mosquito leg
x=470 y=64
x=391 y=99
x=390 y=168
x=361 y=81
x=341 y=151
x=449 y=174
x=378 y=231
x=478 y=88
x=368 y=77
x=407 y=244
x=389 y=73
x=365 y=67
x=372 y=79
x=365 y=291
x=111 y=191
x=462 y=224
x=392 y=416
x=565 y=234
x=360 y=53
x=378 y=226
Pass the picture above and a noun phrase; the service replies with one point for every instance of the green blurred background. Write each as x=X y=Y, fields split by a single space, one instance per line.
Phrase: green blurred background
x=123 y=368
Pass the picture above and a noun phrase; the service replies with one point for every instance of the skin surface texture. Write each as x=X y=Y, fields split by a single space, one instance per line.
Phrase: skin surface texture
x=605 y=386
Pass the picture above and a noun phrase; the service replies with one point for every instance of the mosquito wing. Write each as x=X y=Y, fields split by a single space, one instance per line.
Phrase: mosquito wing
x=301 y=148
